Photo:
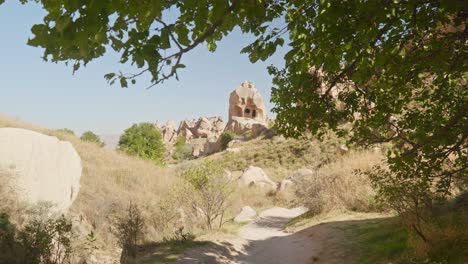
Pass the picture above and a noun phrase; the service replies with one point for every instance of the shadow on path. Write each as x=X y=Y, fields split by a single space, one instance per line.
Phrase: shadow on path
x=321 y=243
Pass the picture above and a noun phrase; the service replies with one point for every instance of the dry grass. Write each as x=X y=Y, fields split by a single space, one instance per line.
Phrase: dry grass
x=337 y=186
x=109 y=181
x=279 y=156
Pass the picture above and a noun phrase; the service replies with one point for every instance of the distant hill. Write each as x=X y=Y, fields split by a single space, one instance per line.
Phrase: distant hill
x=111 y=140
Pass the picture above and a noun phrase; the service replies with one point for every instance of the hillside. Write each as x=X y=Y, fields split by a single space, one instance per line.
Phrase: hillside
x=112 y=180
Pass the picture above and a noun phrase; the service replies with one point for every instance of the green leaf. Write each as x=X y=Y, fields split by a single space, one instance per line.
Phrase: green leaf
x=123 y=82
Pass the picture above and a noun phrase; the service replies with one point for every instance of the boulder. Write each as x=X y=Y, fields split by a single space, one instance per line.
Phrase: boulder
x=256 y=176
x=343 y=149
x=247 y=214
x=284 y=184
x=43 y=168
x=300 y=173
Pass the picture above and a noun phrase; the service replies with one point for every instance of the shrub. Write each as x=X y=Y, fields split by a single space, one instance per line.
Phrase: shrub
x=337 y=185
x=66 y=131
x=226 y=137
x=91 y=137
x=209 y=191
x=143 y=140
x=129 y=231
x=40 y=241
x=182 y=150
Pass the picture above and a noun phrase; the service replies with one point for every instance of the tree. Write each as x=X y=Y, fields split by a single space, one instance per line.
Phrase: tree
x=143 y=140
x=91 y=137
x=395 y=70
x=209 y=191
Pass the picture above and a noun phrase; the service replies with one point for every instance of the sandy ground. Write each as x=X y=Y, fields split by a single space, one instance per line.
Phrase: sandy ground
x=265 y=241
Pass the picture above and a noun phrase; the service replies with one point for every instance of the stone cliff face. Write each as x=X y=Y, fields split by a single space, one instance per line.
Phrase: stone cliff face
x=40 y=167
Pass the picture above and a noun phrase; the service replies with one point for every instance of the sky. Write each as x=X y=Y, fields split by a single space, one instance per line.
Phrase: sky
x=49 y=95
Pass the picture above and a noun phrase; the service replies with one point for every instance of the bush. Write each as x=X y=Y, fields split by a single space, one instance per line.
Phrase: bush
x=143 y=140
x=40 y=241
x=182 y=150
x=89 y=136
x=209 y=191
x=66 y=131
x=338 y=186
x=129 y=231
x=226 y=137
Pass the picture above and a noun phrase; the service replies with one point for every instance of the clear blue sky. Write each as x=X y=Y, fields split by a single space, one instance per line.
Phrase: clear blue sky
x=48 y=95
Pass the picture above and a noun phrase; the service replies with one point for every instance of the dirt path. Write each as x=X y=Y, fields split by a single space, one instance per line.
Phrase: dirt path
x=265 y=241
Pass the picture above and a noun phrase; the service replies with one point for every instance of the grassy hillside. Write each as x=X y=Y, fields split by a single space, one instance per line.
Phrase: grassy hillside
x=278 y=156
x=111 y=180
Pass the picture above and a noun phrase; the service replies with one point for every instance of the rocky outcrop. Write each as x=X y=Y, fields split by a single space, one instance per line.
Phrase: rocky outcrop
x=204 y=146
x=246 y=101
x=247 y=214
x=255 y=176
x=247 y=117
x=244 y=126
x=169 y=132
x=42 y=168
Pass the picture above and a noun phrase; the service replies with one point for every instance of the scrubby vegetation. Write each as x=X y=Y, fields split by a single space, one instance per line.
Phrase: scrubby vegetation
x=129 y=231
x=279 y=156
x=210 y=191
x=182 y=149
x=143 y=140
x=225 y=138
x=175 y=204
x=89 y=136
x=336 y=185
x=393 y=240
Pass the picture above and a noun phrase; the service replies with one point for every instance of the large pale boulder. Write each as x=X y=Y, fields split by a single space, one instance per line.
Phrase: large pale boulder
x=43 y=168
x=247 y=214
x=257 y=177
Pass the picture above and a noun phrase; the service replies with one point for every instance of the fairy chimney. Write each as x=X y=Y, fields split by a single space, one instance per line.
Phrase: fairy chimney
x=247 y=102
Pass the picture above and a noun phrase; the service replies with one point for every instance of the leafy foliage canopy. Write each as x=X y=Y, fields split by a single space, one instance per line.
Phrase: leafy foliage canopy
x=143 y=140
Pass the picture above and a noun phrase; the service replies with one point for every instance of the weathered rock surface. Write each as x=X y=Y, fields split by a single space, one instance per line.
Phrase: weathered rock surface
x=169 y=132
x=247 y=214
x=300 y=173
x=284 y=185
x=246 y=101
x=257 y=177
x=243 y=125
x=43 y=168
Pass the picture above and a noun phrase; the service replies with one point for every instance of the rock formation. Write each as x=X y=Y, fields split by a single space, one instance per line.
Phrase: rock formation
x=246 y=117
x=244 y=126
x=257 y=177
x=169 y=132
x=246 y=101
x=246 y=111
x=42 y=168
